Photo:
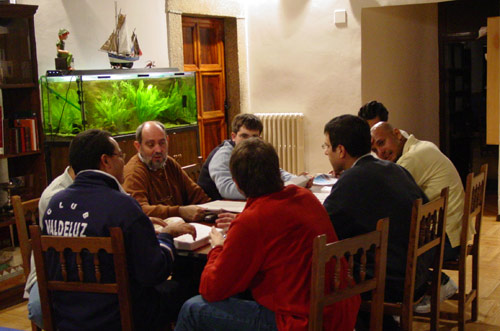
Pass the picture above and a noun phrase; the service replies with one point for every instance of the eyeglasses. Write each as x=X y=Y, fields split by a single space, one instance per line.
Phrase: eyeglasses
x=120 y=154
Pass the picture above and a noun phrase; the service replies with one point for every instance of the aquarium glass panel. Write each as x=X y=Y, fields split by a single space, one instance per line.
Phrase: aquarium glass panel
x=117 y=102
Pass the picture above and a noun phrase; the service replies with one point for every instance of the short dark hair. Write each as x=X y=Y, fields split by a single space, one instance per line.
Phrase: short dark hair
x=87 y=147
x=138 y=131
x=350 y=131
x=373 y=109
x=249 y=121
x=255 y=167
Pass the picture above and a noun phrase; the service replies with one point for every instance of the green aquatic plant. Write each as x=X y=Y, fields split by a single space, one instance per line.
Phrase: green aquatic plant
x=148 y=102
x=111 y=112
x=180 y=95
x=118 y=106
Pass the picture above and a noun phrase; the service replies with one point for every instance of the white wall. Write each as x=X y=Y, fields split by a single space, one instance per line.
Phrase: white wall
x=300 y=61
x=400 y=66
x=90 y=22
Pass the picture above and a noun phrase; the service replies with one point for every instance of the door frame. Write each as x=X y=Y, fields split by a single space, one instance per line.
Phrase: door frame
x=235 y=46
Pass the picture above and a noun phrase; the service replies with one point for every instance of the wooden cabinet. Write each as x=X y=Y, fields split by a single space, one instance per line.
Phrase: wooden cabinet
x=22 y=146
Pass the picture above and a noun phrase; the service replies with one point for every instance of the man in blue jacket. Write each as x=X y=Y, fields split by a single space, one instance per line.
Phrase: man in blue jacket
x=88 y=208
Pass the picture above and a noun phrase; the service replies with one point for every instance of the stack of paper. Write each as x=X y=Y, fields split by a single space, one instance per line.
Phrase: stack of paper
x=186 y=242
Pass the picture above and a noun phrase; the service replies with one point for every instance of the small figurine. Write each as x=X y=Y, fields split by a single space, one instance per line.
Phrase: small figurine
x=61 y=52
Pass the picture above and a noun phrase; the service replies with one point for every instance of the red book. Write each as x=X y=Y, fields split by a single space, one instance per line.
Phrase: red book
x=30 y=125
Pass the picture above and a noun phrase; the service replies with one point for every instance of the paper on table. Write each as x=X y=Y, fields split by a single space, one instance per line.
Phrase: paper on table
x=186 y=242
x=220 y=206
x=321 y=192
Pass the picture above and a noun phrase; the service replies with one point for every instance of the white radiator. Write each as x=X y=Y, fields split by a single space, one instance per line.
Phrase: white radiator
x=285 y=131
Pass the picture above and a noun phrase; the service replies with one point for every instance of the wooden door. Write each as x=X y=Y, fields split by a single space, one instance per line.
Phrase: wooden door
x=204 y=54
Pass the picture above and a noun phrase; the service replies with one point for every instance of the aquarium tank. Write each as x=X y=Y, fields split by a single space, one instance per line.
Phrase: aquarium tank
x=116 y=100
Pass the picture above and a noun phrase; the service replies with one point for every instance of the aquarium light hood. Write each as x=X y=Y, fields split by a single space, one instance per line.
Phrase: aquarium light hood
x=111 y=72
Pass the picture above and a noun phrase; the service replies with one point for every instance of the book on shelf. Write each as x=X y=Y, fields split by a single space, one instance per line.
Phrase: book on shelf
x=28 y=134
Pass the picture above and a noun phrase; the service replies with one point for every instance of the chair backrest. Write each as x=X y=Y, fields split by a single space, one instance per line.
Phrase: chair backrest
x=473 y=209
x=323 y=252
x=81 y=246
x=25 y=212
x=427 y=232
x=193 y=170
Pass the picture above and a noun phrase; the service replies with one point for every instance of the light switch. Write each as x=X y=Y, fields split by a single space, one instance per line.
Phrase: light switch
x=340 y=16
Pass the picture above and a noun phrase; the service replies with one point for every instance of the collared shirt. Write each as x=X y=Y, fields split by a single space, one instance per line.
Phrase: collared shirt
x=433 y=171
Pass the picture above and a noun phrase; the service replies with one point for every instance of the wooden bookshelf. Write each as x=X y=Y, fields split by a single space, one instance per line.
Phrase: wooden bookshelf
x=20 y=99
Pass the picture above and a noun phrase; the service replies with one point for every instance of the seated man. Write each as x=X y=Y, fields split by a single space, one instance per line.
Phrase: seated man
x=373 y=112
x=268 y=250
x=215 y=177
x=432 y=171
x=370 y=189
x=98 y=202
x=157 y=181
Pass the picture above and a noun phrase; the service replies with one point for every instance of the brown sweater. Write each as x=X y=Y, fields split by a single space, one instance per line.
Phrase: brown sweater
x=161 y=192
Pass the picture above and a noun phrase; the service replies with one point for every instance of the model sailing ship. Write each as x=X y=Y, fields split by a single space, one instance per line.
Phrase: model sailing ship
x=122 y=52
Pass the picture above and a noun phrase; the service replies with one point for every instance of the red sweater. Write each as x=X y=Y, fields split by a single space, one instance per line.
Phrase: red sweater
x=269 y=250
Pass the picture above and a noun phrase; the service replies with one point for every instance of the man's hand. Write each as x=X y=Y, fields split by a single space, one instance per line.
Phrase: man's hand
x=158 y=223
x=309 y=184
x=216 y=238
x=191 y=213
x=335 y=175
x=177 y=229
x=157 y=220
x=224 y=220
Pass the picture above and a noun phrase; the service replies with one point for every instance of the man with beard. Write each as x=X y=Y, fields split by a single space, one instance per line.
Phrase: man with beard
x=88 y=207
x=157 y=181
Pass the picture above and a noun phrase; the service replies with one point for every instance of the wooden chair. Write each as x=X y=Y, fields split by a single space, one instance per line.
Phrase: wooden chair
x=25 y=212
x=323 y=252
x=80 y=246
x=193 y=170
x=473 y=212
x=427 y=231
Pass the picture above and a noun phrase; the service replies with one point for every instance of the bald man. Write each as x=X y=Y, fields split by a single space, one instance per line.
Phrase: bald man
x=432 y=171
